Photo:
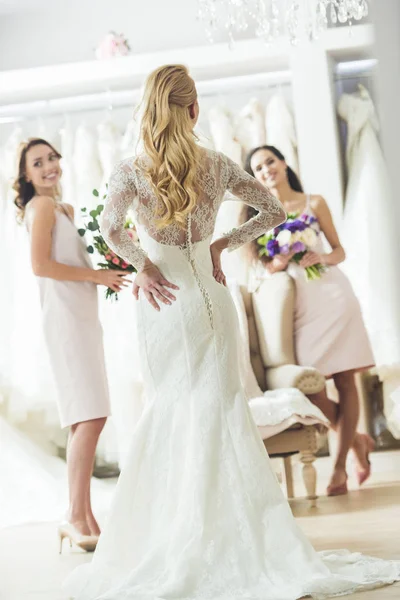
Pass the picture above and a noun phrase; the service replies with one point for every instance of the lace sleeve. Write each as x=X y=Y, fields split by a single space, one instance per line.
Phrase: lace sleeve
x=121 y=192
x=246 y=188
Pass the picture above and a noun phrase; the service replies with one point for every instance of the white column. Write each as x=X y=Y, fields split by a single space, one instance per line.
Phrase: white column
x=316 y=123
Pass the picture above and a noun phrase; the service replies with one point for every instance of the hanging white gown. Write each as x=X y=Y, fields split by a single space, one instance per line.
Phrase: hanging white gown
x=250 y=126
x=6 y=269
x=369 y=233
x=198 y=513
x=119 y=321
x=108 y=144
x=42 y=130
x=67 y=164
x=34 y=391
x=87 y=168
x=281 y=131
x=130 y=139
x=223 y=134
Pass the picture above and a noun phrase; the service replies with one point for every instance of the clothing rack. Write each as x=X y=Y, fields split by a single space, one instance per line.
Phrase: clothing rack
x=360 y=69
x=112 y=99
x=120 y=99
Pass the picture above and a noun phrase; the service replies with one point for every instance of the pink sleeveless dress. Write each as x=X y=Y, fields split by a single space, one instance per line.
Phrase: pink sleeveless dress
x=330 y=334
x=72 y=331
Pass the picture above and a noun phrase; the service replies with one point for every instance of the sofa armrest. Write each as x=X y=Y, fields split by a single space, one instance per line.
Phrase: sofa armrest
x=305 y=379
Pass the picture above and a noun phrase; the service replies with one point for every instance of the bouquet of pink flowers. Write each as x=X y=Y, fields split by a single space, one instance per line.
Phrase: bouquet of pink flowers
x=109 y=260
x=297 y=236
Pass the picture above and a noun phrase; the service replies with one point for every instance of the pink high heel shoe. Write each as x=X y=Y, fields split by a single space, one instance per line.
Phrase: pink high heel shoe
x=337 y=490
x=369 y=445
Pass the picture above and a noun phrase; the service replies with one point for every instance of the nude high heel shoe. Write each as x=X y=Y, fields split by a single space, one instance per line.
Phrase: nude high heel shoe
x=69 y=531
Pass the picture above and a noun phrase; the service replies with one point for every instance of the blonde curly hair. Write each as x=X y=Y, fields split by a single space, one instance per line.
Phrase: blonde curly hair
x=169 y=142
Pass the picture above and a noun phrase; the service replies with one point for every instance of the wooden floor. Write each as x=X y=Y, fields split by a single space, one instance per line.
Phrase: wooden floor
x=366 y=520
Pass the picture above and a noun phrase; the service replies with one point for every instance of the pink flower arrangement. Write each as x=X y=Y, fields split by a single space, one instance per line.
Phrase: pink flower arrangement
x=132 y=233
x=112 y=45
x=109 y=259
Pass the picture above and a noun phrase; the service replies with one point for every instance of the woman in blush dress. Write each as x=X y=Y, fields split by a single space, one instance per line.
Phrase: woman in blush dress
x=73 y=334
x=329 y=331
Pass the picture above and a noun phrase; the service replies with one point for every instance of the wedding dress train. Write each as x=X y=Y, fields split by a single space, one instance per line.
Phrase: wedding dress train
x=198 y=513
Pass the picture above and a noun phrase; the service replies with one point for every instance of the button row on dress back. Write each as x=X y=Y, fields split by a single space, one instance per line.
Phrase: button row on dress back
x=204 y=292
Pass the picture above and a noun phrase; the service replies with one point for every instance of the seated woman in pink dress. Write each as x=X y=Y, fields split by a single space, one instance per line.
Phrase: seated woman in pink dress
x=329 y=331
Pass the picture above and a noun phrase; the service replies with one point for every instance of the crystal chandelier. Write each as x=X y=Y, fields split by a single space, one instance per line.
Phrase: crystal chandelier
x=272 y=18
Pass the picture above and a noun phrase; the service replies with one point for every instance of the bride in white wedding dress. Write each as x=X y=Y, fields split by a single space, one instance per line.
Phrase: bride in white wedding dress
x=198 y=513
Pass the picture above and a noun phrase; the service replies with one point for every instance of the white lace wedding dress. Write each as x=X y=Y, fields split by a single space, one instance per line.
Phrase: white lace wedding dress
x=198 y=513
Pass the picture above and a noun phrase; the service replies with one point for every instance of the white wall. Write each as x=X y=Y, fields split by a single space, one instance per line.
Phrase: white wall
x=59 y=31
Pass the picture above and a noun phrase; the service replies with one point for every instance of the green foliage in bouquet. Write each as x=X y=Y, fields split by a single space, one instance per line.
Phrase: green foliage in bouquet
x=109 y=260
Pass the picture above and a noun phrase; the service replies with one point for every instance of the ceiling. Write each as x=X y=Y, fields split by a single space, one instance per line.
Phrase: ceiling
x=17 y=6
x=8 y=7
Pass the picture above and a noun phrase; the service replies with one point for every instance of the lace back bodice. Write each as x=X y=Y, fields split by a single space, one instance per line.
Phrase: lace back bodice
x=217 y=174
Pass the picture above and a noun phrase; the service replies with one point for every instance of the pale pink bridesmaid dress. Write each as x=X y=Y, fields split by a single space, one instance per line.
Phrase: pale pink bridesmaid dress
x=330 y=334
x=72 y=330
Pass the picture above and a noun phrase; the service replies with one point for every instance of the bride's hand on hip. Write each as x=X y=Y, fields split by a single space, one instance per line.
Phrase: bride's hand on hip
x=154 y=286
x=216 y=249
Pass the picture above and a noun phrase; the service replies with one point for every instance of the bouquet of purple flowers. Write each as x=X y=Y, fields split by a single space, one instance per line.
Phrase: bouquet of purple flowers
x=298 y=235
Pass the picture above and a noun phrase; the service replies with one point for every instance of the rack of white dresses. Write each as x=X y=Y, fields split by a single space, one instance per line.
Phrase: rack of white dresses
x=310 y=69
